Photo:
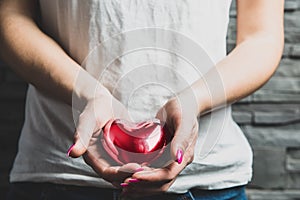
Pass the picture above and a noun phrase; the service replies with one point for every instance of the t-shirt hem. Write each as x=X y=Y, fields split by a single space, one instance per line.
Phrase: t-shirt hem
x=83 y=180
x=61 y=178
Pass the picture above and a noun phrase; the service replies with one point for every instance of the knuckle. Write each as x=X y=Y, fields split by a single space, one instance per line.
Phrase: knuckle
x=185 y=143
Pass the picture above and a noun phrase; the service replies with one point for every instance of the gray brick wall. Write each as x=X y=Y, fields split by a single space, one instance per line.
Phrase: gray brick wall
x=270 y=119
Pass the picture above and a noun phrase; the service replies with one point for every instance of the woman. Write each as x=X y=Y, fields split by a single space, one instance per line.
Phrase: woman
x=49 y=57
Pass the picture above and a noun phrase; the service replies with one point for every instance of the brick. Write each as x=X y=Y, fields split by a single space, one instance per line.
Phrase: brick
x=231 y=33
x=291 y=20
x=293 y=160
x=292 y=35
x=275 y=97
x=269 y=167
x=270 y=114
x=287 y=50
x=280 y=136
x=276 y=118
x=293 y=181
x=289 y=68
x=242 y=117
x=287 y=85
x=230 y=46
x=232 y=12
x=231 y=37
x=255 y=194
x=279 y=89
x=267 y=107
x=295 y=53
x=247 y=99
x=290 y=5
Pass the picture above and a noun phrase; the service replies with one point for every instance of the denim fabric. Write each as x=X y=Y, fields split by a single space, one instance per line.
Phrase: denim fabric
x=47 y=191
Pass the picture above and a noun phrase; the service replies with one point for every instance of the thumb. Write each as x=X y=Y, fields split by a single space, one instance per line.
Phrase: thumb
x=120 y=111
x=182 y=139
x=84 y=131
x=178 y=147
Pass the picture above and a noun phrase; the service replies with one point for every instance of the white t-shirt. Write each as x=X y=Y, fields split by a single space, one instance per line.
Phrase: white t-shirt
x=79 y=26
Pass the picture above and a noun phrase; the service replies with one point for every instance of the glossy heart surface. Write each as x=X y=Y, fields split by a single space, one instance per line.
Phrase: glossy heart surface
x=141 y=142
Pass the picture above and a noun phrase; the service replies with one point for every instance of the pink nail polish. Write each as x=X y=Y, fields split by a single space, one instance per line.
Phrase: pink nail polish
x=124 y=184
x=133 y=180
x=139 y=169
x=70 y=149
x=179 y=156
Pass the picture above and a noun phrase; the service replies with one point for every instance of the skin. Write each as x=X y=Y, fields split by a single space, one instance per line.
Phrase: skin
x=43 y=63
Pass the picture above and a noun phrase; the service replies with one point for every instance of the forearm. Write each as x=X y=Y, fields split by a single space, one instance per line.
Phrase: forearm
x=243 y=71
x=40 y=60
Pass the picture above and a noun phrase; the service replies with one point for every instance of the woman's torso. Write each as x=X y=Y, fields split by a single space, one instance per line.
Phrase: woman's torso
x=137 y=52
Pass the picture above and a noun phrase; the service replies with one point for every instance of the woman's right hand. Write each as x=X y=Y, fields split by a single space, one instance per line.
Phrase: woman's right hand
x=97 y=112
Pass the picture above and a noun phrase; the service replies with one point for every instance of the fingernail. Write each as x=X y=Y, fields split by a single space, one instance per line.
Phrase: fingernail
x=133 y=180
x=179 y=156
x=124 y=184
x=139 y=169
x=70 y=149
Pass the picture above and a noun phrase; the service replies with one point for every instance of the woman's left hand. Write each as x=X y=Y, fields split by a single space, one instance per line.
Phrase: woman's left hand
x=180 y=115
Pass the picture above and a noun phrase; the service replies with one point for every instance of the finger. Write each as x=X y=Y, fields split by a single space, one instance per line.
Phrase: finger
x=130 y=168
x=162 y=115
x=167 y=173
x=160 y=174
x=189 y=154
x=96 y=162
x=107 y=143
x=154 y=181
x=183 y=137
x=119 y=110
x=113 y=174
x=183 y=134
x=180 y=143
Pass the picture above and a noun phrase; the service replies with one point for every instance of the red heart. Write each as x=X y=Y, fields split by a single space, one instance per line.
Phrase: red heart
x=128 y=142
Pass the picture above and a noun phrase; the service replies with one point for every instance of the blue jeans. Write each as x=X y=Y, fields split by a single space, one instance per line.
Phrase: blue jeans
x=48 y=191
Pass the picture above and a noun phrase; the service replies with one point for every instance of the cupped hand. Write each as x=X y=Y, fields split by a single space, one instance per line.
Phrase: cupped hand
x=103 y=165
x=154 y=181
x=180 y=115
x=87 y=141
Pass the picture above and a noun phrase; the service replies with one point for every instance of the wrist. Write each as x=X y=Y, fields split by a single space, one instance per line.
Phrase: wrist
x=87 y=88
x=188 y=102
x=202 y=96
